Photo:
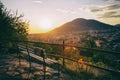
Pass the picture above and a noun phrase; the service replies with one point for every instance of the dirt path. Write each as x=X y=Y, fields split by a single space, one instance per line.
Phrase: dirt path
x=11 y=70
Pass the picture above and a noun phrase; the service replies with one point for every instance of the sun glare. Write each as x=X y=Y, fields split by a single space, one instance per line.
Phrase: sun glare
x=46 y=25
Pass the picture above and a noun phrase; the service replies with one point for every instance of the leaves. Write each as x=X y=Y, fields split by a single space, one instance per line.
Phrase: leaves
x=12 y=26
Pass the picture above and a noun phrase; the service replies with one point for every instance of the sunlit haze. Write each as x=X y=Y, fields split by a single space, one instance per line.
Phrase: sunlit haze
x=45 y=25
x=45 y=15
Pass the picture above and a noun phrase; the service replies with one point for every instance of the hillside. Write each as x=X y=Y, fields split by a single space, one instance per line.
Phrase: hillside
x=117 y=25
x=81 y=24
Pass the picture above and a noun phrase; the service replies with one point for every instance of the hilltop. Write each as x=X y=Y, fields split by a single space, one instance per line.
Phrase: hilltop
x=81 y=24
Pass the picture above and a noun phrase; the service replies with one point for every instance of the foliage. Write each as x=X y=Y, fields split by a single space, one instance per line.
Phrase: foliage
x=71 y=52
x=12 y=27
x=104 y=77
x=88 y=41
x=50 y=48
x=98 y=57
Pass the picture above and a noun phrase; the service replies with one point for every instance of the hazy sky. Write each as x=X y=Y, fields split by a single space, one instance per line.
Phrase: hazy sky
x=53 y=13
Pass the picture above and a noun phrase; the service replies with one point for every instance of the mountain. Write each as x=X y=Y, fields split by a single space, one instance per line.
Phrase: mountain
x=117 y=25
x=81 y=24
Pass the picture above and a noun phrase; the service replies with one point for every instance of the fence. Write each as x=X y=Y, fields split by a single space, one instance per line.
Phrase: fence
x=59 y=53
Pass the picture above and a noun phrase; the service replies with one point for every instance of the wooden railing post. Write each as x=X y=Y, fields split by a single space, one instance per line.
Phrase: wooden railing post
x=63 y=54
x=18 y=54
x=58 y=67
x=44 y=68
x=44 y=64
x=28 y=57
x=19 y=58
x=58 y=71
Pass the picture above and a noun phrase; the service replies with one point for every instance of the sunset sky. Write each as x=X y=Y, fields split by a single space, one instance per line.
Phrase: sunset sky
x=45 y=15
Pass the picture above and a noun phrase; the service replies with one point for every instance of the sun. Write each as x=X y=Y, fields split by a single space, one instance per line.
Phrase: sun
x=46 y=25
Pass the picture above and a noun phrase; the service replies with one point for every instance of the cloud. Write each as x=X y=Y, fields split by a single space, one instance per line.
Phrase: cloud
x=96 y=9
x=62 y=10
x=110 y=0
x=107 y=11
x=37 y=1
x=104 y=8
x=67 y=11
x=115 y=16
x=105 y=0
x=109 y=15
x=111 y=7
x=84 y=8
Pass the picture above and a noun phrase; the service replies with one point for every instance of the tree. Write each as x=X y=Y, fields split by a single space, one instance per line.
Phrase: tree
x=12 y=27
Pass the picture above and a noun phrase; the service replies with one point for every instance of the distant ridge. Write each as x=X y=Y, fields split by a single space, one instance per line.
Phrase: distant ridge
x=117 y=25
x=81 y=24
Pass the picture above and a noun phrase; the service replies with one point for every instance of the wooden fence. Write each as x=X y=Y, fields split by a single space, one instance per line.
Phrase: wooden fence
x=27 y=45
